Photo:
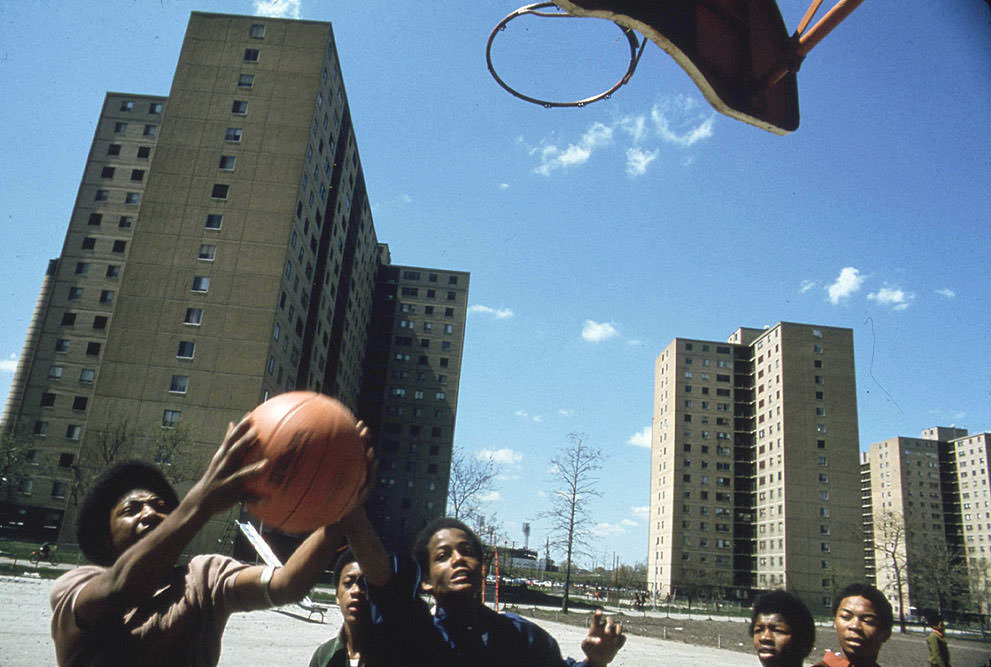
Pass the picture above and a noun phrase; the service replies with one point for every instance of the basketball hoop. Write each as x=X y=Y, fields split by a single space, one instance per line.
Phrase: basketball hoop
x=636 y=50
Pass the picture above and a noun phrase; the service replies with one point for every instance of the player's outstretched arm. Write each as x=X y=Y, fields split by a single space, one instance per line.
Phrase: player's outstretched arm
x=140 y=569
x=603 y=641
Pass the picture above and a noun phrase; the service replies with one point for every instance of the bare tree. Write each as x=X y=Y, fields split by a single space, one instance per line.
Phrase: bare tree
x=13 y=456
x=889 y=543
x=470 y=479
x=101 y=450
x=574 y=471
x=938 y=576
x=173 y=450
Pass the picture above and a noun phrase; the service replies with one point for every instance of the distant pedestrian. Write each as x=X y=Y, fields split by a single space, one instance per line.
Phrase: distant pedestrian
x=782 y=629
x=939 y=653
x=862 y=618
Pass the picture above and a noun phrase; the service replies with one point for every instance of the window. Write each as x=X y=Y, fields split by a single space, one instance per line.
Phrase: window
x=186 y=349
x=257 y=30
x=170 y=418
x=251 y=55
x=239 y=107
x=99 y=321
x=227 y=162
x=137 y=174
x=440 y=396
x=120 y=128
x=87 y=376
x=106 y=296
x=59 y=489
x=92 y=349
x=40 y=428
x=233 y=134
x=219 y=191
x=79 y=402
x=101 y=195
x=68 y=319
x=107 y=172
x=72 y=432
x=113 y=149
x=245 y=80
x=88 y=243
x=113 y=270
x=214 y=221
x=193 y=316
x=179 y=384
x=200 y=284
x=155 y=108
x=132 y=198
x=144 y=151
x=62 y=345
x=126 y=105
x=94 y=220
x=119 y=246
x=150 y=130
x=125 y=221
x=75 y=293
x=55 y=372
x=47 y=399
x=207 y=252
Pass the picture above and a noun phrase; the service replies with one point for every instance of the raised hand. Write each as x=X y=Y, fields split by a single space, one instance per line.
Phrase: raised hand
x=220 y=485
x=603 y=641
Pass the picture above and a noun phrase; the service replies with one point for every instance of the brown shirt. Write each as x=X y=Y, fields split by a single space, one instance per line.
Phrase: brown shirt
x=181 y=624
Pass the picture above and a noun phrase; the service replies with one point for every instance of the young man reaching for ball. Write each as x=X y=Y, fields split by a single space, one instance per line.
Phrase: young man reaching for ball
x=463 y=631
x=135 y=606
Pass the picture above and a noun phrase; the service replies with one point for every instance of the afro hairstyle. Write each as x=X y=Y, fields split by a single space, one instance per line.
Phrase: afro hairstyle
x=885 y=616
x=93 y=523
x=795 y=613
x=420 y=552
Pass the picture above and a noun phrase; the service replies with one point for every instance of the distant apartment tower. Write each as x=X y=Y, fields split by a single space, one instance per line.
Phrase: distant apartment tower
x=754 y=468
x=221 y=251
x=930 y=505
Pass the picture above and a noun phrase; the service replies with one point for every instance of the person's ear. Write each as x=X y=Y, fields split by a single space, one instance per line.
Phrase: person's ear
x=427 y=587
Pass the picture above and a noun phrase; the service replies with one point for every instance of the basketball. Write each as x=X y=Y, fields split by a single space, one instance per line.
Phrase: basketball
x=317 y=462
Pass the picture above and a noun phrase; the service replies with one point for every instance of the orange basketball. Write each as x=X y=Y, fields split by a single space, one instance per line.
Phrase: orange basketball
x=317 y=461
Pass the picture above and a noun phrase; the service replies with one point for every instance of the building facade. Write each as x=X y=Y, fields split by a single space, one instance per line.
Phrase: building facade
x=930 y=531
x=754 y=468
x=221 y=251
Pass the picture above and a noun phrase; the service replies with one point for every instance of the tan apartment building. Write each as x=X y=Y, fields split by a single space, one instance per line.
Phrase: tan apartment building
x=755 y=476
x=931 y=509
x=221 y=251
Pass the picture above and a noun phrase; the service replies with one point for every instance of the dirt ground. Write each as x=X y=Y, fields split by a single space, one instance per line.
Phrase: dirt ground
x=908 y=650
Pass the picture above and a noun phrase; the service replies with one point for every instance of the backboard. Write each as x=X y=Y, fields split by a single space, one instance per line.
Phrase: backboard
x=734 y=51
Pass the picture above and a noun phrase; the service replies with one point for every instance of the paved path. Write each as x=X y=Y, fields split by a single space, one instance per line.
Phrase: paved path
x=285 y=638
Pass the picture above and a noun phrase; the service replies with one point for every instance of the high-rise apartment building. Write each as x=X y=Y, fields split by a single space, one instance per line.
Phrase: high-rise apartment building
x=221 y=251
x=930 y=503
x=754 y=467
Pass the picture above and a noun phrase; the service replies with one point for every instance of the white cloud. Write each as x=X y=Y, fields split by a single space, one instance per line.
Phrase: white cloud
x=277 y=9
x=525 y=414
x=504 y=456
x=806 y=286
x=635 y=126
x=596 y=332
x=641 y=511
x=498 y=313
x=605 y=529
x=553 y=158
x=892 y=296
x=947 y=292
x=637 y=160
x=636 y=342
x=566 y=413
x=629 y=523
x=9 y=365
x=407 y=199
x=504 y=186
x=490 y=497
x=682 y=121
x=848 y=282
x=641 y=438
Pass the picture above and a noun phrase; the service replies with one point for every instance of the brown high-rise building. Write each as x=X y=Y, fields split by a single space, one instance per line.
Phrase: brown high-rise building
x=755 y=478
x=221 y=251
x=930 y=507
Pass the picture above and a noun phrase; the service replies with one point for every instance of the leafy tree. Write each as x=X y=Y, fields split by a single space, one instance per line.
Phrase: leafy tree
x=471 y=478
x=574 y=473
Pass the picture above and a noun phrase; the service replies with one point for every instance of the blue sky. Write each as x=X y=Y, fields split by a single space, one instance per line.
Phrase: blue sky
x=594 y=236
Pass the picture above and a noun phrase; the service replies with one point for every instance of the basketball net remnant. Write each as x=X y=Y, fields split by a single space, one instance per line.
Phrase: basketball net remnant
x=738 y=52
